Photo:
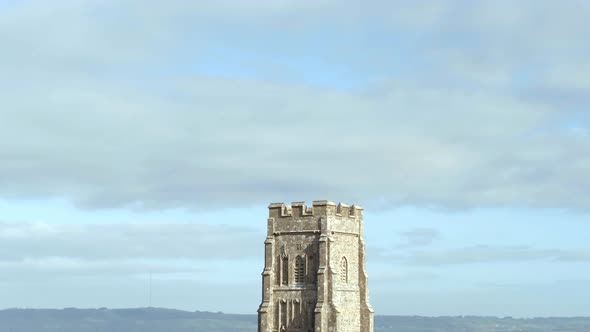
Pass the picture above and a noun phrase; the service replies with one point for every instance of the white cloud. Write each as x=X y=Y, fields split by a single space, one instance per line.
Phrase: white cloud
x=40 y=252
x=87 y=116
x=418 y=237
x=37 y=242
x=59 y=268
x=487 y=254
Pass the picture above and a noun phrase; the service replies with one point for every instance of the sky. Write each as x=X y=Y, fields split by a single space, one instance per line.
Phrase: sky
x=147 y=138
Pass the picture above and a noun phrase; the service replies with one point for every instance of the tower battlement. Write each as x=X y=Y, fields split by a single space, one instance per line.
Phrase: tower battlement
x=318 y=208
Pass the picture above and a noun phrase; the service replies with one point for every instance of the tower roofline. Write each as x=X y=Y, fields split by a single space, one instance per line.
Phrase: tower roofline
x=314 y=203
x=320 y=207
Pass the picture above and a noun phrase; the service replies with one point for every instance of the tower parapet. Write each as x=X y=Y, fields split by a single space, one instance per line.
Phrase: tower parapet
x=314 y=277
x=300 y=209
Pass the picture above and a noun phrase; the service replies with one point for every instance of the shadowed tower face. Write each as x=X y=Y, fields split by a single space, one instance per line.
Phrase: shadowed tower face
x=314 y=277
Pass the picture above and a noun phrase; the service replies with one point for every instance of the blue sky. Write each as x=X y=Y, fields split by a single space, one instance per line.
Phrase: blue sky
x=136 y=136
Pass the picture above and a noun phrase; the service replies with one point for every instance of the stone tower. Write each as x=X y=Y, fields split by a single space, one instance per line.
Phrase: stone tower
x=314 y=277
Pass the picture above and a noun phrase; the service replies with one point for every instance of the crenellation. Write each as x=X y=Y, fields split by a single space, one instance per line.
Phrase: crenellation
x=357 y=211
x=287 y=211
x=279 y=210
x=299 y=209
x=318 y=208
x=323 y=203
x=342 y=209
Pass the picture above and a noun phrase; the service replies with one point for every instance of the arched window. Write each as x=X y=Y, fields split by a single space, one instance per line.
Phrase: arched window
x=344 y=270
x=299 y=270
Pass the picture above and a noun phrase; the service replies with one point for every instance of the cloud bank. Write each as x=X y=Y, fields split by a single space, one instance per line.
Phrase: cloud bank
x=33 y=251
x=450 y=104
x=483 y=254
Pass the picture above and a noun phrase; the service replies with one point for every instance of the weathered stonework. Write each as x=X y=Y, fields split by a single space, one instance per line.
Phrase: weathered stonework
x=314 y=275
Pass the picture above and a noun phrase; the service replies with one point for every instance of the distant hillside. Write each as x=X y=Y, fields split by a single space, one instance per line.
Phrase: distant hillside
x=122 y=320
x=166 y=320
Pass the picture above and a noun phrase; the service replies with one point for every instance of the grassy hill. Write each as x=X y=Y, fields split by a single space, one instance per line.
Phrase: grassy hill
x=166 y=320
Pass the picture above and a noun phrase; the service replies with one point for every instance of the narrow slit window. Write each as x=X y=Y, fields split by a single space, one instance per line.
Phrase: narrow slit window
x=344 y=270
x=285 y=272
x=278 y=270
x=310 y=270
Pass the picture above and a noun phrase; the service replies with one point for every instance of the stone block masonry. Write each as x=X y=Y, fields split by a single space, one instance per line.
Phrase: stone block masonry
x=314 y=276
